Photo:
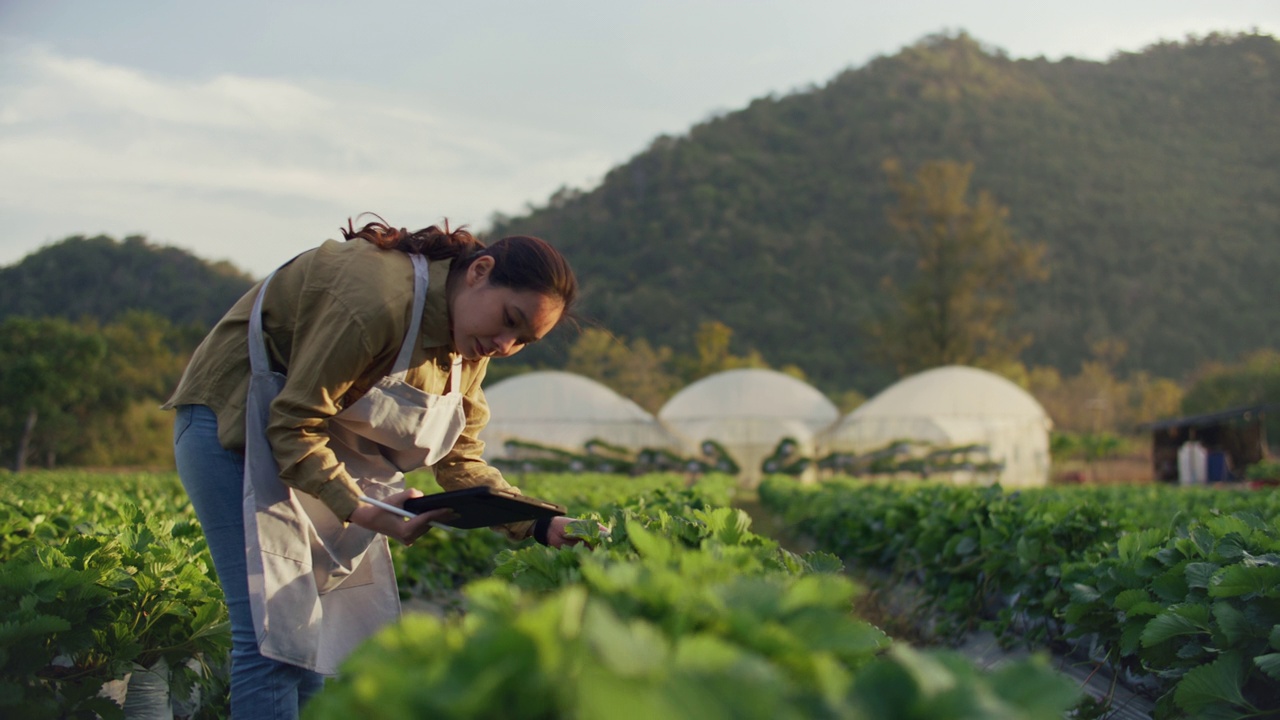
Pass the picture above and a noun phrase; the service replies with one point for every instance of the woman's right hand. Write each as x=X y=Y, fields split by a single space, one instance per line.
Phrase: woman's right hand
x=397 y=527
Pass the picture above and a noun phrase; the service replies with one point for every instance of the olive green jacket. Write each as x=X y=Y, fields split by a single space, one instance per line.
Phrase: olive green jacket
x=334 y=319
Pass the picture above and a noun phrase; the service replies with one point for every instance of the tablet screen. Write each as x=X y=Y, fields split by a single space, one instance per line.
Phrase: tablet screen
x=483 y=506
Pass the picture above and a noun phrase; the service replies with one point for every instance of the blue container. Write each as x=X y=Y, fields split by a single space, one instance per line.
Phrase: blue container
x=1217 y=467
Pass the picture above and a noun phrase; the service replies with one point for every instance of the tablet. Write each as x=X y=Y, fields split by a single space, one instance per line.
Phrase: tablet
x=484 y=506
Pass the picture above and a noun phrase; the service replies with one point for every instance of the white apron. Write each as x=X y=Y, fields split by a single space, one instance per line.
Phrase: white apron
x=317 y=586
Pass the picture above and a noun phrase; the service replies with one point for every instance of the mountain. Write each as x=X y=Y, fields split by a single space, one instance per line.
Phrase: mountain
x=102 y=278
x=1152 y=179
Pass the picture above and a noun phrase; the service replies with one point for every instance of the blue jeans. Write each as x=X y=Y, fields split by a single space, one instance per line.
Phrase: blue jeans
x=261 y=688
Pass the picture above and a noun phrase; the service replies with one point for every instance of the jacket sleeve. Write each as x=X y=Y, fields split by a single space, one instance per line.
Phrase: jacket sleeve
x=332 y=347
x=465 y=467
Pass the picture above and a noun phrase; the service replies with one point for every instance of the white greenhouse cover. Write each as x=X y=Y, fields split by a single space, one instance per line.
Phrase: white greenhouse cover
x=566 y=410
x=953 y=406
x=749 y=411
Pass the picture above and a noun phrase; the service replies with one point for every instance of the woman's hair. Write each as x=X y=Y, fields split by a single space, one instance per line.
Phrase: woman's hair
x=521 y=262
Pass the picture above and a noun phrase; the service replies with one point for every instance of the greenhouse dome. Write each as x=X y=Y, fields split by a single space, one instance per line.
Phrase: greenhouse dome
x=948 y=409
x=749 y=412
x=565 y=410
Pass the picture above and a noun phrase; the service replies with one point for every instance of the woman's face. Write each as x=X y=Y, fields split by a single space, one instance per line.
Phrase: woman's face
x=493 y=321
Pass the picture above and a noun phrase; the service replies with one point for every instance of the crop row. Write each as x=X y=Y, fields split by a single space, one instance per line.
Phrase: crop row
x=442 y=562
x=105 y=579
x=681 y=611
x=1177 y=589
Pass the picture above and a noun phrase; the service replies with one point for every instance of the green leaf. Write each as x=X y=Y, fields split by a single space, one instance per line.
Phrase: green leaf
x=1200 y=574
x=1269 y=664
x=1083 y=594
x=966 y=545
x=1170 y=624
x=1219 y=681
x=1231 y=547
x=1203 y=539
x=1134 y=544
x=650 y=545
x=1215 y=712
x=1238 y=580
x=1146 y=608
x=931 y=676
x=1129 y=598
x=885 y=687
x=1035 y=689
x=1171 y=586
x=630 y=649
x=32 y=627
x=1029 y=550
x=712 y=654
x=1130 y=638
x=824 y=563
x=1231 y=622
x=817 y=591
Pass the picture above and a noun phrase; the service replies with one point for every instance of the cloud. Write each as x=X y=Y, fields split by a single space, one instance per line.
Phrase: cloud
x=90 y=147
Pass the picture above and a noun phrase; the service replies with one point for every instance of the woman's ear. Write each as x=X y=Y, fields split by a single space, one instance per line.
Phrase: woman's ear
x=478 y=271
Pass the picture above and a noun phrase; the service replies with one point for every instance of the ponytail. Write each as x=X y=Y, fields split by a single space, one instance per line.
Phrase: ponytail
x=521 y=262
x=431 y=242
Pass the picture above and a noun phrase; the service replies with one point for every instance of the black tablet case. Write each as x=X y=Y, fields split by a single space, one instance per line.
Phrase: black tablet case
x=483 y=506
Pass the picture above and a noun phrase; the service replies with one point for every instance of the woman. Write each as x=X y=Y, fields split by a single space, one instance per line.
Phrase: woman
x=351 y=364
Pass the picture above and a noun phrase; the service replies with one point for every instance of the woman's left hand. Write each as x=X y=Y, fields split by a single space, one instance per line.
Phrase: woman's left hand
x=557 y=532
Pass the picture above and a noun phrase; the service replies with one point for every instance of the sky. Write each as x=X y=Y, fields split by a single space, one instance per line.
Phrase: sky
x=251 y=130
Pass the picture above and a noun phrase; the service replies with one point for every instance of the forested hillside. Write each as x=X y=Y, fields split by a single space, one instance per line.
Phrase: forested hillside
x=1152 y=180
x=103 y=279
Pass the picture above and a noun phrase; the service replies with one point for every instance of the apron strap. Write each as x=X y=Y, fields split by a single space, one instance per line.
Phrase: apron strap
x=455 y=374
x=420 y=279
x=258 y=361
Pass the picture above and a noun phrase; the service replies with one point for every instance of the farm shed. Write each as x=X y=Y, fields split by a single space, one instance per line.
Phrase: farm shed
x=1225 y=443
x=566 y=410
x=954 y=407
x=748 y=412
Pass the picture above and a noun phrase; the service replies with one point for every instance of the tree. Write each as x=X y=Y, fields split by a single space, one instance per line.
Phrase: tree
x=1254 y=380
x=651 y=376
x=89 y=394
x=966 y=266
x=50 y=374
x=636 y=371
x=1097 y=399
x=146 y=352
x=712 y=353
x=146 y=355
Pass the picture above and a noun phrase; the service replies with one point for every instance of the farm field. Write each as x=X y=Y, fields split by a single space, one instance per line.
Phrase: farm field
x=682 y=611
x=1174 y=590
